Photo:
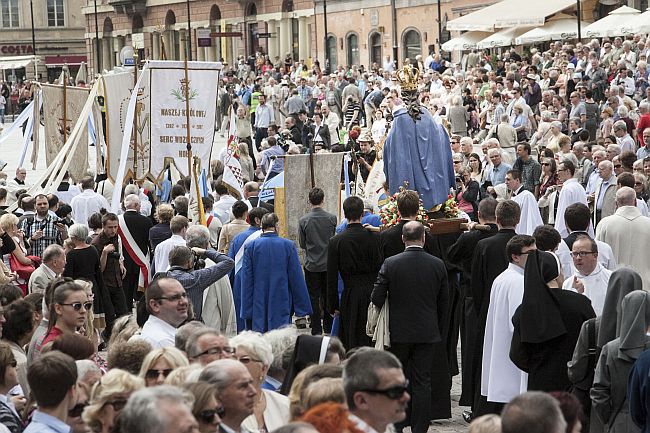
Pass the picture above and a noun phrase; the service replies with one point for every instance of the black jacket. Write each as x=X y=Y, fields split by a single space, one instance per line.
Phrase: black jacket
x=416 y=284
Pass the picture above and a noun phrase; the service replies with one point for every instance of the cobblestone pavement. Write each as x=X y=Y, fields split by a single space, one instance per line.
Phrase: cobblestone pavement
x=456 y=423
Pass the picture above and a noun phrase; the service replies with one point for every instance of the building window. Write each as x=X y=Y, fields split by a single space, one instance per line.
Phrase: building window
x=375 y=48
x=331 y=51
x=55 y=13
x=353 y=49
x=9 y=13
x=412 y=44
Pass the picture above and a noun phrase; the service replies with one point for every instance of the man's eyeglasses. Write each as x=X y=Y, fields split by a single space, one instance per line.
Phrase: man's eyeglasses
x=581 y=254
x=638 y=183
x=77 y=305
x=207 y=416
x=174 y=298
x=618 y=166
x=393 y=393
x=217 y=351
x=545 y=164
x=77 y=410
x=119 y=403
x=155 y=374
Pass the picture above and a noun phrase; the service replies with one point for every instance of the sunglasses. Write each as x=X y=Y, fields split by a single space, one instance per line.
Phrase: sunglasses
x=77 y=305
x=118 y=404
x=154 y=374
x=174 y=298
x=393 y=393
x=545 y=164
x=76 y=411
x=618 y=166
x=207 y=416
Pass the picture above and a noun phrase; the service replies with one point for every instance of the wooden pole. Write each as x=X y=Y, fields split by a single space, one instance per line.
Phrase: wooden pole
x=65 y=107
x=187 y=116
x=197 y=190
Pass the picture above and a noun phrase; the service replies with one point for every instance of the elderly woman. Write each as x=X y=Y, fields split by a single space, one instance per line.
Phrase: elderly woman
x=108 y=398
x=83 y=263
x=271 y=409
x=541 y=136
x=607 y=122
x=519 y=122
x=161 y=231
x=458 y=117
x=8 y=379
x=641 y=186
x=207 y=408
x=159 y=363
x=18 y=257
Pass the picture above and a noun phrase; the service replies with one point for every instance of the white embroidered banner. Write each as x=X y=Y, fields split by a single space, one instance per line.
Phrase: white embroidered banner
x=168 y=112
x=53 y=114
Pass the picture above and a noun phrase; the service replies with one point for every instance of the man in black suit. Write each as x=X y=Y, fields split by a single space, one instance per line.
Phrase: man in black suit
x=490 y=259
x=416 y=283
x=461 y=254
x=138 y=226
x=251 y=195
x=319 y=131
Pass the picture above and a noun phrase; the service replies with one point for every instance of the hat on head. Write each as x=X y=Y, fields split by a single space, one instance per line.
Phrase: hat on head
x=365 y=136
x=571 y=66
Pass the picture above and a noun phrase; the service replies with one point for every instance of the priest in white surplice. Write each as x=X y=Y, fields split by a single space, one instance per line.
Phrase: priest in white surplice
x=530 y=216
x=571 y=192
x=590 y=278
x=501 y=380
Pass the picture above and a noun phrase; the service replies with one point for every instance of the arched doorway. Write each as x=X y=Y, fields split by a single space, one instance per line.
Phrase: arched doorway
x=171 y=38
x=352 y=46
x=375 y=46
x=215 y=26
x=412 y=44
x=332 y=52
x=250 y=21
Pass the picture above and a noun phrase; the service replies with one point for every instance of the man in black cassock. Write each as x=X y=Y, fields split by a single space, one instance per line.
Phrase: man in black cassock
x=408 y=205
x=461 y=254
x=490 y=259
x=355 y=254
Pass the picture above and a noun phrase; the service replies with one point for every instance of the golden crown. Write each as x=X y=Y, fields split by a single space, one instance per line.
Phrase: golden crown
x=408 y=78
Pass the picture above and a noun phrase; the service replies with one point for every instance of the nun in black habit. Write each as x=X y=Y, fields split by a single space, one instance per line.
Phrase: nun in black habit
x=547 y=324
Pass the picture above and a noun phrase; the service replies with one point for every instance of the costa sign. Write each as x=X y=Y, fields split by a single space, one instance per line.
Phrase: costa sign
x=16 y=49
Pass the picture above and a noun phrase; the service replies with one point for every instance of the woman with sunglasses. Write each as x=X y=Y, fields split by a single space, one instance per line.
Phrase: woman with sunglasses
x=207 y=408
x=68 y=311
x=83 y=263
x=159 y=363
x=8 y=379
x=108 y=397
x=271 y=408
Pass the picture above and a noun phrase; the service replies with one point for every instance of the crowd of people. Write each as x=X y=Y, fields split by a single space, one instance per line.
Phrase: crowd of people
x=146 y=320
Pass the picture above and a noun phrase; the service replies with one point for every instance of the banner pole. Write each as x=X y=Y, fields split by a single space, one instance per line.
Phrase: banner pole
x=186 y=89
x=135 y=118
x=65 y=107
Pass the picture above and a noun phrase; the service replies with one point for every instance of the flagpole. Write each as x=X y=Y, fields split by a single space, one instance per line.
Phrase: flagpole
x=191 y=168
x=65 y=106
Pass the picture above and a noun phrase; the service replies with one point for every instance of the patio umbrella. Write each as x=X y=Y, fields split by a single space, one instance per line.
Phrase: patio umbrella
x=612 y=24
x=558 y=28
x=464 y=42
x=502 y=38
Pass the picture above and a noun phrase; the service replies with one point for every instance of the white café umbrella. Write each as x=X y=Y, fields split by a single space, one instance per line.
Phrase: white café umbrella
x=612 y=24
x=466 y=41
x=638 y=24
x=556 y=29
x=502 y=38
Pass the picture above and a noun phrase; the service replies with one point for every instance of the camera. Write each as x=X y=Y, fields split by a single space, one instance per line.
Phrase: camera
x=199 y=263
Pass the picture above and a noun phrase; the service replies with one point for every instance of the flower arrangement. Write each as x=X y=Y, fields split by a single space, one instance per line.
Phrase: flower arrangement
x=451 y=207
x=389 y=215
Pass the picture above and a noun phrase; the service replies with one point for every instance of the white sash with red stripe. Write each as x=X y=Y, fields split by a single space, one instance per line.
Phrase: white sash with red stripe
x=136 y=254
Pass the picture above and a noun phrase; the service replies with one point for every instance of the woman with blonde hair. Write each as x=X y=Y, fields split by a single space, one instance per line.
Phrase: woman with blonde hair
x=271 y=409
x=159 y=364
x=607 y=124
x=108 y=397
x=9 y=223
x=486 y=424
x=207 y=409
x=327 y=390
x=248 y=172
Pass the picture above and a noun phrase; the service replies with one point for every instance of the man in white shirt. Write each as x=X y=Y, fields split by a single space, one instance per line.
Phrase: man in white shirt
x=224 y=203
x=51 y=268
x=178 y=226
x=530 y=216
x=167 y=305
x=501 y=380
x=88 y=202
x=590 y=278
x=332 y=121
x=623 y=138
x=571 y=192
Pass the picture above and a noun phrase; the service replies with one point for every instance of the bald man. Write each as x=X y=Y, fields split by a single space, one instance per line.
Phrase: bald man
x=251 y=197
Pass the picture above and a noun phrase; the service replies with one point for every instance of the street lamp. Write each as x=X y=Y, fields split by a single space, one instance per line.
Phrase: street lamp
x=327 y=54
x=189 y=33
x=393 y=13
x=31 y=9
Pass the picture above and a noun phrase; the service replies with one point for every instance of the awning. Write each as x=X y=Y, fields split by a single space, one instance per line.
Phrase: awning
x=57 y=61
x=16 y=62
x=510 y=13
x=557 y=28
x=612 y=24
x=639 y=24
x=466 y=41
x=502 y=38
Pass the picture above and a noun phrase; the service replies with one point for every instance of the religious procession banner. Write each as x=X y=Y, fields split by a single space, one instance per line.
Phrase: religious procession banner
x=297 y=184
x=169 y=90
x=113 y=100
x=374 y=186
x=60 y=119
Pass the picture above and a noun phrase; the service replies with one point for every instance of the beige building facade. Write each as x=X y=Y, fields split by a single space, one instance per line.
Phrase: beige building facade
x=59 y=33
x=219 y=29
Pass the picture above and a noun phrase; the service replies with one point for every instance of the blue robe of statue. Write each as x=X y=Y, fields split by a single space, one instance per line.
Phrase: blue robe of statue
x=419 y=153
x=235 y=278
x=272 y=284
